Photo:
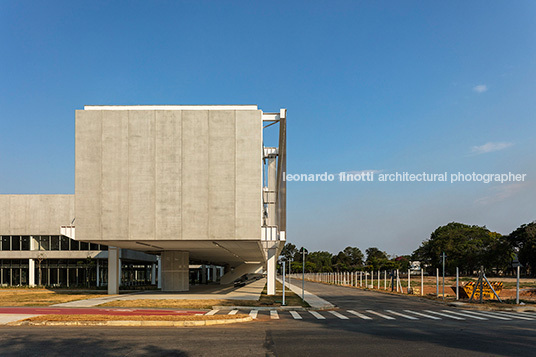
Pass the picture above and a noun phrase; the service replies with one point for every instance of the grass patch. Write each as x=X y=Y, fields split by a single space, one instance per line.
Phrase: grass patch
x=41 y=297
x=84 y=318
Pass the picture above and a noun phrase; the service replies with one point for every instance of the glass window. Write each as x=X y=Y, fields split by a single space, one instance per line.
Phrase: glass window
x=84 y=246
x=25 y=244
x=15 y=243
x=103 y=247
x=6 y=242
x=75 y=245
x=44 y=242
x=93 y=246
x=64 y=243
x=54 y=243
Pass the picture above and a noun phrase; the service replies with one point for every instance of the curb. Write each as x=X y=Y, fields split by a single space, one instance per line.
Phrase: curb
x=133 y=323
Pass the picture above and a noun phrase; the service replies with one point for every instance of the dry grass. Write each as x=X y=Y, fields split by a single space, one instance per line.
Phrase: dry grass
x=177 y=303
x=70 y=318
x=40 y=297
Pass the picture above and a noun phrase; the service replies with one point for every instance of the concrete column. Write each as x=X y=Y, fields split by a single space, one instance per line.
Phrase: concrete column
x=120 y=271
x=31 y=272
x=175 y=270
x=159 y=261
x=270 y=269
x=98 y=274
x=153 y=274
x=203 y=274
x=113 y=270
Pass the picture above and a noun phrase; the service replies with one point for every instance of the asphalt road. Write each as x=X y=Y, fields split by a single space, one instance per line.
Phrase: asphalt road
x=288 y=336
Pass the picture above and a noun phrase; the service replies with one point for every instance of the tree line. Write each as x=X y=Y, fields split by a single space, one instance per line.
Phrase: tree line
x=467 y=247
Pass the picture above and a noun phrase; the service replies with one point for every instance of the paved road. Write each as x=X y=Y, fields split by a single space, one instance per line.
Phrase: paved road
x=288 y=336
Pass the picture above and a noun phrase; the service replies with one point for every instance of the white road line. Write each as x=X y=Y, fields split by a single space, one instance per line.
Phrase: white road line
x=317 y=315
x=274 y=314
x=423 y=315
x=253 y=313
x=444 y=315
x=487 y=314
x=402 y=315
x=295 y=315
x=233 y=312
x=466 y=315
x=340 y=316
x=381 y=315
x=514 y=315
x=364 y=317
x=212 y=312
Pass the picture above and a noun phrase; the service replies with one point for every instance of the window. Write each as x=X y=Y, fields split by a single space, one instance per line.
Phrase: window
x=6 y=243
x=64 y=243
x=25 y=243
x=75 y=245
x=93 y=246
x=15 y=243
x=44 y=243
x=54 y=243
x=84 y=246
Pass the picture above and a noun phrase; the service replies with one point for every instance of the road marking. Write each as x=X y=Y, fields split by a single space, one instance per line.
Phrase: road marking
x=212 y=312
x=402 y=315
x=274 y=314
x=233 y=312
x=340 y=316
x=381 y=315
x=295 y=315
x=317 y=315
x=423 y=315
x=444 y=315
x=487 y=315
x=253 y=313
x=465 y=314
x=364 y=317
x=514 y=315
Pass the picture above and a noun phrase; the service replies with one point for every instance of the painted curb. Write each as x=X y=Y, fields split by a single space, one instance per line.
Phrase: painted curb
x=134 y=323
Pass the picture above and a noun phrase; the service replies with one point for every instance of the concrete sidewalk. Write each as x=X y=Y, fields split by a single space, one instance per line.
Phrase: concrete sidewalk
x=251 y=291
x=317 y=303
x=8 y=318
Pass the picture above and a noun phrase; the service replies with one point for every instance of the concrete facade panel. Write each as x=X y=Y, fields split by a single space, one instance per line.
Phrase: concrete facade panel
x=35 y=214
x=141 y=174
x=168 y=174
x=115 y=201
x=221 y=175
x=194 y=174
x=248 y=174
x=88 y=173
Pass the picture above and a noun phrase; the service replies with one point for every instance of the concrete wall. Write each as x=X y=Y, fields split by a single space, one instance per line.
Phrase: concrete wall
x=168 y=174
x=35 y=214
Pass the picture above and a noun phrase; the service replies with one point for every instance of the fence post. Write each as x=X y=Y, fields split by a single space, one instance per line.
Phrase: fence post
x=422 y=282
x=409 y=280
x=437 y=283
x=457 y=284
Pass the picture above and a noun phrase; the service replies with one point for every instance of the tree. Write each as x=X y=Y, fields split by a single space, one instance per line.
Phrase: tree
x=355 y=256
x=467 y=247
x=523 y=239
x=289 y=251
x=321 y=260
x=376 y=259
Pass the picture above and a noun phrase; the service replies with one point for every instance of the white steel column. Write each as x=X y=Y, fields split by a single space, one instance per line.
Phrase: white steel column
x=98 y=274
x=113 y=270
x=159 y=261
x=31 y=272
x=271 y=267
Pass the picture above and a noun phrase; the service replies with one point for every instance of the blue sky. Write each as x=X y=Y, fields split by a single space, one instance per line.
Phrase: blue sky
x=369 y=85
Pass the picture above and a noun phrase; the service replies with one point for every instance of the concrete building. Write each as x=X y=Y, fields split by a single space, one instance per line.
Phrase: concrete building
x=34 y=252
x=192 y=184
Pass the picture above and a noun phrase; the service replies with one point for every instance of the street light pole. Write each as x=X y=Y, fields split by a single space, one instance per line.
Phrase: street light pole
x=303 y=276
x=284 y=270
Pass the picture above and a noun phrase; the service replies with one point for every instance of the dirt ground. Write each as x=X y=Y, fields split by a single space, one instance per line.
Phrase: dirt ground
x=527 y=286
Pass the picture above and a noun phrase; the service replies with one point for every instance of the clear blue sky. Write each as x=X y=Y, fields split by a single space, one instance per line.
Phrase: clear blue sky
x=369 y=85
